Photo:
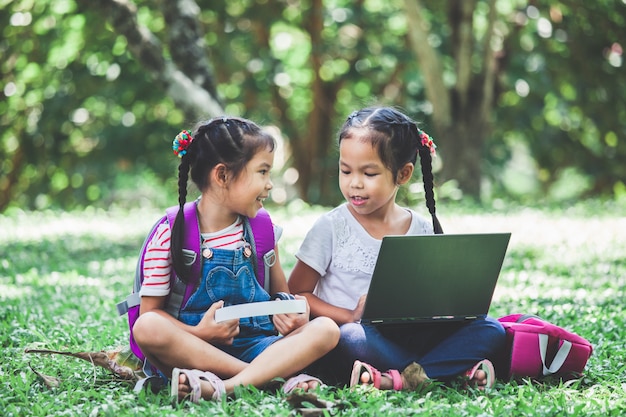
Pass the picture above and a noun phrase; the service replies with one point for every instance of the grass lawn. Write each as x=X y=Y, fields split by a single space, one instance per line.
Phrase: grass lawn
x=61 y=275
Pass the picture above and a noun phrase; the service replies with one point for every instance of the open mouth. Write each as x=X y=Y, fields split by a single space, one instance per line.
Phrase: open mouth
x=358 y=200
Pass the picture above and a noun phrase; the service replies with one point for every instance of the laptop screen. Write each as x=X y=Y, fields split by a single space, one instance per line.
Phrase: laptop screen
x=435 y=277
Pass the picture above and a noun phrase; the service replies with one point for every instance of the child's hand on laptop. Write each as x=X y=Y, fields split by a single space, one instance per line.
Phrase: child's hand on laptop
x=357 y=313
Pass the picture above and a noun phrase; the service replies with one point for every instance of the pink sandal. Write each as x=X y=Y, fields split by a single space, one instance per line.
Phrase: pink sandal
x=193 y=379
x=486 y=366
x=292 y=383
x=360 y=367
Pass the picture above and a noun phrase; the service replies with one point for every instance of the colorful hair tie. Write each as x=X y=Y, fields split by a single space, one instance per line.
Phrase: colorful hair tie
x=181 y=143
x=427 y=141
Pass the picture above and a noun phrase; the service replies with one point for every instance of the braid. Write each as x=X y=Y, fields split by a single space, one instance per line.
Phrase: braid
x=178 y=228
x=427 y=176
x=231 y=141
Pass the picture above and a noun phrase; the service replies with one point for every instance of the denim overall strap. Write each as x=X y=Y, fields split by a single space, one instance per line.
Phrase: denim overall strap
x=229 y=275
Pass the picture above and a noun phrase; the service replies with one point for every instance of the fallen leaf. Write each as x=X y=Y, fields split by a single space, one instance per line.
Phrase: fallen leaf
x=121 y=361
x=49 y=381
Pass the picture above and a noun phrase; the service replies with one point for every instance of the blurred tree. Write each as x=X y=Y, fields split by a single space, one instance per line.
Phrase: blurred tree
x=94 y=90
x=563 y=95
x=462 y=92
x=74 y=114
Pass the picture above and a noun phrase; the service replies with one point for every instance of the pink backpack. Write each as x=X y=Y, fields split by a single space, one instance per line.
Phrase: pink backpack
x=536 y=348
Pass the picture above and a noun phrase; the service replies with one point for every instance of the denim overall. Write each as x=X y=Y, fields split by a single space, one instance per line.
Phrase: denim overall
x=229 y=275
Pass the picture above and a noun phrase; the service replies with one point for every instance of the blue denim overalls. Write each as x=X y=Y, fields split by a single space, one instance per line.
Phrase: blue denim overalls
x=229 y=275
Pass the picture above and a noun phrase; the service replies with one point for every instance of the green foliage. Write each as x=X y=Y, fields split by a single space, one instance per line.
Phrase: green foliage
x=62 y=274
x=564 y=97
x=78 y=111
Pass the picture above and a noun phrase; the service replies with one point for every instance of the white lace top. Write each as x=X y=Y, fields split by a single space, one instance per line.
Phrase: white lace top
x=344 y=254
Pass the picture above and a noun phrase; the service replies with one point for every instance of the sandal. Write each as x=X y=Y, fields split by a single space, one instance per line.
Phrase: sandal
x=293 y=382
x=413 y=375
x=359 y=368
x=486 y=366
x=193 y=379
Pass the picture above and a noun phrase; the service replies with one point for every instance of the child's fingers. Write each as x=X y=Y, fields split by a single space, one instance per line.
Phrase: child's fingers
x=279 y=323
x=301 y=297
x=211 y=311
x=233 y=325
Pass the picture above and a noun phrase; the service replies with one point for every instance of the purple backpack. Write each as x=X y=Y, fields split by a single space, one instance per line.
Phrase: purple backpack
x=536 y=348
x=263 y=241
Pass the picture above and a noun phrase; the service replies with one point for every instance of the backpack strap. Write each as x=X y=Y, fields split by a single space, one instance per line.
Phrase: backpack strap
x=191 y=252
x=133 y=299
x=523 y=317
x=264 y=243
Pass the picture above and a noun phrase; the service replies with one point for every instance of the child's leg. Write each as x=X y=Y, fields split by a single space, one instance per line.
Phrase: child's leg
x=283 y=358
x=291 y=354
x=462 y=349
x=167 y=346
x=443 y=352
x=367 y=344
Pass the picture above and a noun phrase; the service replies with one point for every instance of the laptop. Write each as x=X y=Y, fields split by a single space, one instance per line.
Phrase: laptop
x=434 y=278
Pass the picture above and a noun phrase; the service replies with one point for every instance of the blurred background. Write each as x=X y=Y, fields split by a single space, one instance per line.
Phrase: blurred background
x=524 y=98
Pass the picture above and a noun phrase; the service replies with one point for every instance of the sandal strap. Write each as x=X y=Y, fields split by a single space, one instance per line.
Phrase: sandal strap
x=357 y=370
x=293 y=382
x=219 y=390
x=486 y=366
x=193 y=379
x=395 y=377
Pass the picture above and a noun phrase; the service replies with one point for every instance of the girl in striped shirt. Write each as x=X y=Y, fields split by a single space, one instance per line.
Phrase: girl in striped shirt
x=229 y=160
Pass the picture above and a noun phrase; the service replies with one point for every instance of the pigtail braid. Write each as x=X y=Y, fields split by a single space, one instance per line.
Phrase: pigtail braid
x=427 y=176
x=426 y=149
x=178 y=228
x=231 y=141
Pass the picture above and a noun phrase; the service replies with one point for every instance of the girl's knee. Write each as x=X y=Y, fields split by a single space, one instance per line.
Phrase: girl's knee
x=495 y=326
x=492 y=330
x=144 y=329
x=327 y=327
x=352 y=331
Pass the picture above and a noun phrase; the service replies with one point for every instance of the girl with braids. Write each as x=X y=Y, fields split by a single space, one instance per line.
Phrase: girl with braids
x=378 y=149
x=229 y=160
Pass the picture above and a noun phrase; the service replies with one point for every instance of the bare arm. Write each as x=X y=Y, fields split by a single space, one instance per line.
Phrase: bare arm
x=303 y=280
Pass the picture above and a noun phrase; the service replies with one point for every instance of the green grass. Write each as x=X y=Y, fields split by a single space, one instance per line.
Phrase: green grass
x=62 y=273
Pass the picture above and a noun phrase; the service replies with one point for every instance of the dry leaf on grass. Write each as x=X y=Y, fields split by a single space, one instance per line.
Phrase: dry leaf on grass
x=49 y=381
x=120 y=361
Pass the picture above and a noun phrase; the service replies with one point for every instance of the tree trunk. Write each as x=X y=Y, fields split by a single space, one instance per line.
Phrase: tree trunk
x=461 y=113
x=311 y=150
x=197 y=100
x=311 y=157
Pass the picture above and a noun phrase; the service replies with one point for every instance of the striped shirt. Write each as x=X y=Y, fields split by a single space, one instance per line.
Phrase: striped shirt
x=157 y=264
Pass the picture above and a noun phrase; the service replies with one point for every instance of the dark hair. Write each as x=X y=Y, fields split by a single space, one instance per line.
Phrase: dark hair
x=398 y=141
x=232 y=141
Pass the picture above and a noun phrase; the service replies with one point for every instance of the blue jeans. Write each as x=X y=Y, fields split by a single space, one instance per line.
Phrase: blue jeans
x=444 y=350
x=229 y=275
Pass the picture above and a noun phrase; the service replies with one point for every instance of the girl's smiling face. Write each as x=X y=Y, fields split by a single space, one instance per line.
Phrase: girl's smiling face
x=366 y=184
x=252 y=186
